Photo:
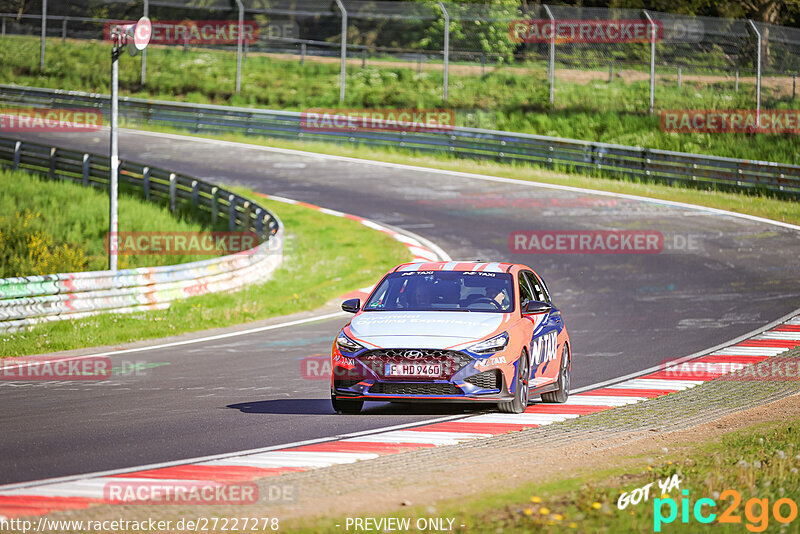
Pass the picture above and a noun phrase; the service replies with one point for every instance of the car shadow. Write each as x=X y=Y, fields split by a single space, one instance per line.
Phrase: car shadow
x=323 y=406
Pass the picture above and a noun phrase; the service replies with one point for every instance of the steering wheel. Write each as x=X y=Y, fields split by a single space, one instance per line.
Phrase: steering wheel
x=486 y=299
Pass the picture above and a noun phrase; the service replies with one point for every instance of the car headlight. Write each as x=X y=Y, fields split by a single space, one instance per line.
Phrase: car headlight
x=493 y=344
x=346 y=344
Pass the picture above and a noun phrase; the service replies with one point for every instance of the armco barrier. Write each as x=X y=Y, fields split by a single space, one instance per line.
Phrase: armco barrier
x=28 y=300
x=550 y=152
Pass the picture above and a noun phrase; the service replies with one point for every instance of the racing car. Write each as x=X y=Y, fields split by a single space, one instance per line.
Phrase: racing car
x=453 y=332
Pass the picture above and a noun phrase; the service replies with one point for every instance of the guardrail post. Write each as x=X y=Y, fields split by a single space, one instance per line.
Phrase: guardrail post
x=214 y=204
x=64 y=30
x=44 y=32
x=653 y=31
x=551 y=63
x=52 y=173
x=343 y=52
x=17 y=154
x=146 y=183
x=86 y=169
x=195 y=194
x=259 y=222
x=247 y=215
x=231 y=213
x=446 y=50
x=3 y=34
x=239 y=46
x=173 y=183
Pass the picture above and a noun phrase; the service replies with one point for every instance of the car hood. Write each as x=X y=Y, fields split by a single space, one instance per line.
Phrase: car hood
x=431 y=330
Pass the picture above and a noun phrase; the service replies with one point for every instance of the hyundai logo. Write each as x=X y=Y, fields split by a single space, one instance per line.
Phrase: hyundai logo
x=413 y=354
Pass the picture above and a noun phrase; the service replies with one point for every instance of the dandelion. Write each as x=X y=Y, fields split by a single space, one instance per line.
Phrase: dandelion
x=527 y=511
x=558 y=517
x=760 y=441
x=536 y=499
x=781 y=454
x=793 y=470
x=544 y=511
x=664 y=450
x=743 y=464
x=573 y=525
x=757 y=464
x=596 y=505
x=715 y=494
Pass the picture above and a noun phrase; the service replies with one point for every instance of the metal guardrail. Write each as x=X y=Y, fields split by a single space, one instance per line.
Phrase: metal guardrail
x=25 y=301
x=550 y=152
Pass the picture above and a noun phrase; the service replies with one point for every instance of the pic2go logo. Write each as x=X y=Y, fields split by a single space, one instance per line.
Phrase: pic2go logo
x=756 y=511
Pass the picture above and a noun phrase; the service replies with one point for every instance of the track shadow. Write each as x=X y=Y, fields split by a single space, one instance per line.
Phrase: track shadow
x=323 y=406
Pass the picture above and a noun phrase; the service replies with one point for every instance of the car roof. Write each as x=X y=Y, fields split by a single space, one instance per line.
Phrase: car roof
x=482 y=266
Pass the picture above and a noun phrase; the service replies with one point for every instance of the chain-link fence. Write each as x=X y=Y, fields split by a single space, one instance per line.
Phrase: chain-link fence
x=561 y=58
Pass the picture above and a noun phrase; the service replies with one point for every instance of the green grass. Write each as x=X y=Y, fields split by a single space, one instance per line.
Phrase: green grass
x=759 y=462
x=513 y=99
x=48 y=227
x=325 y=256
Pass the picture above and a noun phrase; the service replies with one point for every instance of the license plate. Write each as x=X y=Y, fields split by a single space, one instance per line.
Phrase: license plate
x=413 y=369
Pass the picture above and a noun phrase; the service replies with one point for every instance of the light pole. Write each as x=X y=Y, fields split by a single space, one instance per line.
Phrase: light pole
x=135 y=37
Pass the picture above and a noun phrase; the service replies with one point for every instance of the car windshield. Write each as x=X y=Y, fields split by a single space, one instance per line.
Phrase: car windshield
x=444 y=291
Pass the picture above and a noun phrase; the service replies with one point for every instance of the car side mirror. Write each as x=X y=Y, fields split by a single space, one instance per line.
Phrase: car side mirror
x=351 y=305
x=535 y=306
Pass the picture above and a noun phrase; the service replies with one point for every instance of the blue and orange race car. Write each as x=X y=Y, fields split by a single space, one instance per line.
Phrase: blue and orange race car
x=453 y=331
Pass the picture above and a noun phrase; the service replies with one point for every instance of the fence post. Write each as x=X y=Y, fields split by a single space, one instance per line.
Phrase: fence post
x=679 y=77
x=64 y=30
x=173 y=183
x=483 y=63
x=302 y=53
x=44 y=31
x=17 y=154
x=653 y=30
x=758 y=74
x=419 y=63
x=4 y=27
x=146 y=182
x=343 y=52
x=239 y=46
x=551 y=63
x=446 y=51
x=231 y=213
x=736 y=83
x=610 y=72
x=145 y=13
x=364 y=58
x=794 y=85
x=86 y=169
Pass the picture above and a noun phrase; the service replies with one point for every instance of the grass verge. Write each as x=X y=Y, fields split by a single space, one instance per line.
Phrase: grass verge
x=759 y=463
x=55 y=227
x=325 y=256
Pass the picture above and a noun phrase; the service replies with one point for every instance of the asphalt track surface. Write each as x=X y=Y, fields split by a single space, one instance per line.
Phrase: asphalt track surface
x=717 y=278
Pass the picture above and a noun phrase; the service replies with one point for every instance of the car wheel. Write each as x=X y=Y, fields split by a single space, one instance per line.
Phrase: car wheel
x=521 y=388
x=562 y=393
x=346 y=406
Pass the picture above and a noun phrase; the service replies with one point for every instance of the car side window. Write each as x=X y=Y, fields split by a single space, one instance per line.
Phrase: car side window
x=539 y=293
x=525 y=294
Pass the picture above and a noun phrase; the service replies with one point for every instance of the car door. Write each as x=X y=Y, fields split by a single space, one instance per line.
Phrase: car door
x=544 y=343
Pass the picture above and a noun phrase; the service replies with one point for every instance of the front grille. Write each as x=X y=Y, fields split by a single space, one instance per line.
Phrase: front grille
x=399 y=388
x=486 y=380
x=451 y=360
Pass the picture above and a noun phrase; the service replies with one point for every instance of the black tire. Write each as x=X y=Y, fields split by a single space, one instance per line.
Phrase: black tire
x=346 y=406
x=562 y=393
x=521 y=388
